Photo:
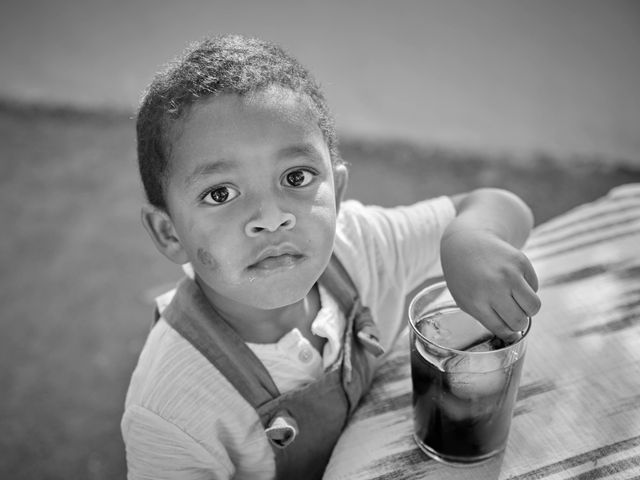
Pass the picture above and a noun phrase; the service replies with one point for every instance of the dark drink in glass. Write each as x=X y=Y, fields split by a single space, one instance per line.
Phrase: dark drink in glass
x=465 y=381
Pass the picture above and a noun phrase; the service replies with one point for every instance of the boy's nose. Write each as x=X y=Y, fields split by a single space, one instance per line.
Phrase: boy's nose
x=269 y=220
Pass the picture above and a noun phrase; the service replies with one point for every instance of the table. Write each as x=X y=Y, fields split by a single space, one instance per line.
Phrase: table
x=578 y=408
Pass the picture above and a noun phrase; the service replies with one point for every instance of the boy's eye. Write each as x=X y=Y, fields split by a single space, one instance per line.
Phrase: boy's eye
x=299 y=178
x=220 y=195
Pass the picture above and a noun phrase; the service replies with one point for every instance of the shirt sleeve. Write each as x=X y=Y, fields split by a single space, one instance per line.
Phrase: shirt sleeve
x=158 y=450
x=415 y=232
x=391 y=251
x=403 y=241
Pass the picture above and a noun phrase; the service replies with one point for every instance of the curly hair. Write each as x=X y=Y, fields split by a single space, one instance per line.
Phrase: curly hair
x=216 y=65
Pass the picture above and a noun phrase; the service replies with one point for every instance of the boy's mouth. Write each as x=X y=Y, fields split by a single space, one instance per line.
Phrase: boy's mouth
x=276 y=257
x=275 y=262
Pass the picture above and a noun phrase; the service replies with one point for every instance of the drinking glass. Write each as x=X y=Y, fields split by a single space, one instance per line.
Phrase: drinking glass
x=465 y=380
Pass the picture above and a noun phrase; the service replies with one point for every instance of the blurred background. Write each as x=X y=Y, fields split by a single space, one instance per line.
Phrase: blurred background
x=430 y=97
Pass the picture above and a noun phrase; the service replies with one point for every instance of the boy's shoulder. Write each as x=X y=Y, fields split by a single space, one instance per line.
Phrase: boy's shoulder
x=178 y=400
x=353 y=218
x=360 y=222
x=168 y=364
x=372 y=240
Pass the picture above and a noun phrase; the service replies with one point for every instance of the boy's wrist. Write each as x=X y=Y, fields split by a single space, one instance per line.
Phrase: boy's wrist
x=493 y=210
x=459 y=228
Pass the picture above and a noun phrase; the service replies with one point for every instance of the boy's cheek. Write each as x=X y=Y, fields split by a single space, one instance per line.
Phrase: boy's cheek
x=205 y=258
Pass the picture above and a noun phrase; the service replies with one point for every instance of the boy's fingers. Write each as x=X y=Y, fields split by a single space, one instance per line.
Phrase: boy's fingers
x=527 y=299
x=493 y=322
x=512 y=315
x=530 y=276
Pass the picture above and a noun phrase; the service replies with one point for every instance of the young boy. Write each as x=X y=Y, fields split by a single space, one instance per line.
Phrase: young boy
x=267 y=345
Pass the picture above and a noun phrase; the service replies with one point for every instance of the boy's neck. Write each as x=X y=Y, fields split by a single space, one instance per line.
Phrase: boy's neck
x=268 y=326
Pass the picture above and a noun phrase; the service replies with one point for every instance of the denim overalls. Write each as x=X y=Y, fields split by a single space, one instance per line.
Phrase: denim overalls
x=302 y=425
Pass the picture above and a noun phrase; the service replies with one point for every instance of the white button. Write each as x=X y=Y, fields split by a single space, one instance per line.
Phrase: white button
x=305 y=355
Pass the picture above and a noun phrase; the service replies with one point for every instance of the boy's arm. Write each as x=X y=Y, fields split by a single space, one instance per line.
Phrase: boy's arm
x=487 y=274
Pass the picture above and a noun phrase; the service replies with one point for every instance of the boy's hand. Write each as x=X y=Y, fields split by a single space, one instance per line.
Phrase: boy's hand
x=487 y=274
x=490 y=279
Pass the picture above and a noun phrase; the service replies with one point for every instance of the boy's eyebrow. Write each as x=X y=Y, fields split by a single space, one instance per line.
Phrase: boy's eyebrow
x=299 y=150
x=207 y=169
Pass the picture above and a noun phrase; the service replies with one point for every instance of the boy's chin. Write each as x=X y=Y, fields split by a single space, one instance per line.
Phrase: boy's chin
x=281 y=290
x=280 y=297
x=277 y=289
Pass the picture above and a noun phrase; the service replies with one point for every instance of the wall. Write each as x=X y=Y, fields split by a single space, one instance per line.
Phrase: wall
x=513 y=77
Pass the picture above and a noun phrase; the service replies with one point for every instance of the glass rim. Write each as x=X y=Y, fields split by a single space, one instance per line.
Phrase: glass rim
x=441 y=284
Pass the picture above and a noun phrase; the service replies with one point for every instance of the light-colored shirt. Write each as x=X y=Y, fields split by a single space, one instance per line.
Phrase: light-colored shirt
x=184 y=420
x=293 y=362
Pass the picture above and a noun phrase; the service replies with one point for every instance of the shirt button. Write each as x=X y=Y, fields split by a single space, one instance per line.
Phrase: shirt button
x=305 y=355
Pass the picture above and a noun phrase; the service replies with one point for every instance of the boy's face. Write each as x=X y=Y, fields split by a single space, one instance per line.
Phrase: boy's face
x=251 y=197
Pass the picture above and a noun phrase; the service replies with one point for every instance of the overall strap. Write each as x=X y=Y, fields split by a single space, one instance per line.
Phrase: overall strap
x=304 y=425
x=193 y=317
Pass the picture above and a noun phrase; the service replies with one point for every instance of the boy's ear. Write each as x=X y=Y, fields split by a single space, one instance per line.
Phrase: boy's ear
x=340 y=181
x=160 y=228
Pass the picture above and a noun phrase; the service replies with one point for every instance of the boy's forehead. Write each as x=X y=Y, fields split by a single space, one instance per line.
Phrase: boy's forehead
x=217 y=126
x=234 y=114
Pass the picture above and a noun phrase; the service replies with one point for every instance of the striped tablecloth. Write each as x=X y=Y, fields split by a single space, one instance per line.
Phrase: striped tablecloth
x=578 y=409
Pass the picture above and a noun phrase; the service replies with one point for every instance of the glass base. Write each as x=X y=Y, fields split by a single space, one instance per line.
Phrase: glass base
x=453 y=460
